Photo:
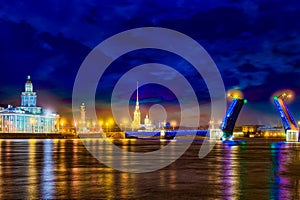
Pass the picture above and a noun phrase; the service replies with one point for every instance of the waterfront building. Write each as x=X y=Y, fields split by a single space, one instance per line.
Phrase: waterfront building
x=248 y=130
x=28 y=117
x=270 y=131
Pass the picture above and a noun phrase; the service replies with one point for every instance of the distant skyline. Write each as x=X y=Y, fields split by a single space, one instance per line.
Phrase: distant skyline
x=255 y=45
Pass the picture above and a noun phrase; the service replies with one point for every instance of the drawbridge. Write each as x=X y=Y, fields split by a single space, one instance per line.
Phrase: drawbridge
x=289 y=124
x=285 y=115
x=231 y=116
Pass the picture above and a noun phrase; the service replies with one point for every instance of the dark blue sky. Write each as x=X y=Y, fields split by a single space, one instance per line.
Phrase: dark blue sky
x=255 y=45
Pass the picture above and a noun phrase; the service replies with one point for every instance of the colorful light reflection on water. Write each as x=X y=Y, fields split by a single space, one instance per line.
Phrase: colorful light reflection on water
x=63 y=169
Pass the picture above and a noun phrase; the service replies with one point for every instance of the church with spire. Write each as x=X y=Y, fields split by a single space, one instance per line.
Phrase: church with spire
x=136 y=123
x=28 y=117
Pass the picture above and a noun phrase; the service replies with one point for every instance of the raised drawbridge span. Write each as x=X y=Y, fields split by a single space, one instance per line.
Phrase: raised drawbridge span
x=231 y=116
x=285 y=115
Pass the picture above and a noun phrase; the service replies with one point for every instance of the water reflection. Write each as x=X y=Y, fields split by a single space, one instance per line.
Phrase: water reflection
x=63 y=169
x=32 y=190
x=279 y=184
x=1 y=174
x=47 y=174
x=230 y=169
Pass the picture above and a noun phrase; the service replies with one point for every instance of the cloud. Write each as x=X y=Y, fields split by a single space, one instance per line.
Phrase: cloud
x=255 y=44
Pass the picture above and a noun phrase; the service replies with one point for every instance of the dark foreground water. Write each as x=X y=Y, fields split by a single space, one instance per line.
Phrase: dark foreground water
x=64 y=169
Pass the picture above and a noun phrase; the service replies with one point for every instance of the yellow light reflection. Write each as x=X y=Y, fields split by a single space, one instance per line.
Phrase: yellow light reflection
x=32 y=190
x=1 y=192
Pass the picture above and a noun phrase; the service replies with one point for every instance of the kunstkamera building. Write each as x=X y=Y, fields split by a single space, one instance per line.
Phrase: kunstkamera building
x=27 y=118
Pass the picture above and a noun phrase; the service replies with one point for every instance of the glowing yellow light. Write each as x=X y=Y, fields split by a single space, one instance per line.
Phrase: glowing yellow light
x=62 y=121
x=125 y=121
x=173 y=124
x=235 y=94
x=287 y=94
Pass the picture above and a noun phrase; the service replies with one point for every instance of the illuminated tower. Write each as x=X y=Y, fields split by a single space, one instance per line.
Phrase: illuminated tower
x=82 y=127
x=28 y=98
x=137 y=113
x=82 y=113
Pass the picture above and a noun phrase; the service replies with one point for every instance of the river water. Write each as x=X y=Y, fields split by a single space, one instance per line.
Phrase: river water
x=64 y=169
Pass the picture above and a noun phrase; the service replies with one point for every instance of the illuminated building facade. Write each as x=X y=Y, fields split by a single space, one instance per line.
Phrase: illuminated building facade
x=27 y=118
x=270 y=131
x=249 y=129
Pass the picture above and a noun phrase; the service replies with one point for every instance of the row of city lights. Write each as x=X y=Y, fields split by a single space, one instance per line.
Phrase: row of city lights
x=108 y=124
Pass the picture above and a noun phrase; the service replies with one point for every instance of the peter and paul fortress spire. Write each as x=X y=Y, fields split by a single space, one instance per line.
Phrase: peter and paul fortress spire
x=137 y=113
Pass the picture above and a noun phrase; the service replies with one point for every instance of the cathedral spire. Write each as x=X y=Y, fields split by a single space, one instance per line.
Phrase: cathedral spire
x=137 y=105
x=137 y=113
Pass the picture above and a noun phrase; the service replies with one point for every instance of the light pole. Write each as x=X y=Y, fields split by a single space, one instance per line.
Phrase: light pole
x=125 y=124
x=110 y=122
x=106 y=126
x=100 y=125
x=75 y=126
x=94 y=126
x=173 y=124
x=62 y=125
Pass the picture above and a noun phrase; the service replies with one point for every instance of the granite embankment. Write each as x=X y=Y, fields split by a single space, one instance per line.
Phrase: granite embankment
x=37 y=136
x=112 y=135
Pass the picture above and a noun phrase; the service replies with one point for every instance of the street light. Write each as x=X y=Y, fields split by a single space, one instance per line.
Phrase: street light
x=286 y=95
x=173 y=124
x=75 y=126
x=62 y=121
x=125 y=121
x=7 y=126
x=100 y=125
x=235 y=94
x=106 y=126
x=110 y=122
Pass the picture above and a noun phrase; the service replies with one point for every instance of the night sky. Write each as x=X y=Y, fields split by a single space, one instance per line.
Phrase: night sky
x=255 y=45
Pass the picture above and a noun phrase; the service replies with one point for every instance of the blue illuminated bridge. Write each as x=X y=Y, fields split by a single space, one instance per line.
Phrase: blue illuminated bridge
x=285 y=115
x=169 y=134
x=226 y=126
x=231 y=116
